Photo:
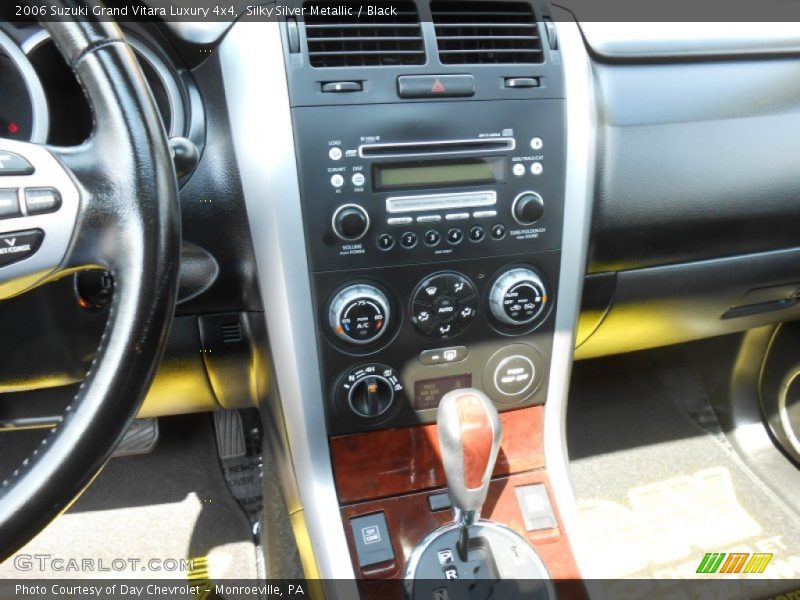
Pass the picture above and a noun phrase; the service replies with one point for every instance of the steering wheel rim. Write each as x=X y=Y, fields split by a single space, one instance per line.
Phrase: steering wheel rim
x=119 y=211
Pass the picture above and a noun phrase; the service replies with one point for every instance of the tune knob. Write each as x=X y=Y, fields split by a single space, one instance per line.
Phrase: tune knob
x=350 y=222
x=359 y=314
x=517 y=297
x=528 y=208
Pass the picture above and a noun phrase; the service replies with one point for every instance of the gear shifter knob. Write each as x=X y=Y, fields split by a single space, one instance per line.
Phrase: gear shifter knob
x=469 y=436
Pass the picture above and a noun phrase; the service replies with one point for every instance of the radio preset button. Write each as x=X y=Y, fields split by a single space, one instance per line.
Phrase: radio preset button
x=537 y=168
x=477 y=233
x=358 y=179
x=432 y=237
x=455 y=235
x=408 y=239
x=498 y=231
x=337 y=181
x=484 y=214
x=350 y=222
x=385 y=241
x=429 y=219
x=335 y=153
x=457 y=216
x=518 y=169
x=537 y=143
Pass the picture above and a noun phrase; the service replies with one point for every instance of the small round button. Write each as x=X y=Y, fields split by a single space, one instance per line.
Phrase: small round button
x=514 y=375
x=385 y=241
x=337 y=181
x=528 y=208
x=358 y=179
x=537 y=143
x=537 y=168
x=498 y=231
x=408 y=239
x=335 y=153
x=455 y=235
x=477 y=233
x=432 y=237
x=518 y=169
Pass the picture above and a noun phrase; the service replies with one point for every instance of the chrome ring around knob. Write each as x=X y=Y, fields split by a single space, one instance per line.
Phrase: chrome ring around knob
x=346 y=298
x=530 y=196
x=336 y=225
x=505 y=284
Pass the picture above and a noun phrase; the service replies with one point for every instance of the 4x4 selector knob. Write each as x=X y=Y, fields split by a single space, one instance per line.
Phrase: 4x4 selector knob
x=350 y=222
x=528 y=208
x=359 y=314
x=517 y=297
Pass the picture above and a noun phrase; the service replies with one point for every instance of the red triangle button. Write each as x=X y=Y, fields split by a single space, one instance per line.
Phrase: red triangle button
x=438 y=87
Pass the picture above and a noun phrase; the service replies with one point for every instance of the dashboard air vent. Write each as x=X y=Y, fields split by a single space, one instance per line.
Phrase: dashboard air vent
x=486 y=32
x=357 y=39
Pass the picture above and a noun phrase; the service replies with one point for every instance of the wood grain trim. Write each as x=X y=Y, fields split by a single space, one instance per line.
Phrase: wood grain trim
x=391 y=462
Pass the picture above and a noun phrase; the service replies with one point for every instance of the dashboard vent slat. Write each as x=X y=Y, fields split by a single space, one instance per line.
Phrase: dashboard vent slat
x=486 y=32
x=350 y=40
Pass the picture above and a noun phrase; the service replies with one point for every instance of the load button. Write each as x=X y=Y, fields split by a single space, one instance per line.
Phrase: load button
x=18 y=246
x=435 y=86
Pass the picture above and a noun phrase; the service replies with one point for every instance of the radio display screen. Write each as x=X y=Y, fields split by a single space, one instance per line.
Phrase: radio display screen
x=438 y=173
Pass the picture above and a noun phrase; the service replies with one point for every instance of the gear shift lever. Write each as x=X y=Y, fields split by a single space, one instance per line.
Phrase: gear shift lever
x=469 y=437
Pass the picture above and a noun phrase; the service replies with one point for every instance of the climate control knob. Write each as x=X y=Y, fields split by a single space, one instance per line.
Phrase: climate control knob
x=359 y=314
x=350 y=222
x=518 y=297
x=528 y=208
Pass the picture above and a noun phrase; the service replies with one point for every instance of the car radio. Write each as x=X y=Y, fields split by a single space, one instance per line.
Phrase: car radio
x=388 y=184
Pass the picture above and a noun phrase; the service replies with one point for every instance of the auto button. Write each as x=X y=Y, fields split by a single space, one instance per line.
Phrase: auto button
x=19 y=245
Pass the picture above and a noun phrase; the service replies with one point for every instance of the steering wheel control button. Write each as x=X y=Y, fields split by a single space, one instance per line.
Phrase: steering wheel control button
x=408 y=239
x=359 y=314
x=40 y=201
x=477 y=233
x=335 y=153
x=9 y=204
x=498 y=231
x=432 y=238
x=444 y=355
x=537 y=143
x=19 y=245
x=513 y=374
x=454 y=236
x=13 y=164
x=528 y=208
x=444 y=305
x=518 y=297
x=385 y=241
x=350 y=222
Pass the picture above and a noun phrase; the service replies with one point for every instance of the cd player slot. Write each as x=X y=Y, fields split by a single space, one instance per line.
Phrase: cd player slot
x=404 y=204
x=476 y=146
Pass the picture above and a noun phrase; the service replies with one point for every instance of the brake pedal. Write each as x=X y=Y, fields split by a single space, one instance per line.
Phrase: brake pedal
x=141 y=438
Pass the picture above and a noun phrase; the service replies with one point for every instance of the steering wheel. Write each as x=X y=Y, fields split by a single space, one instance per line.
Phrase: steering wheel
x=111 y=203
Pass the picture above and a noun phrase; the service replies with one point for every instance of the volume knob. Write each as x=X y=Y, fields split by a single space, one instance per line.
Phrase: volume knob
x=518 y=297
x=528 y=208
x=350 y=222
x=359 y=314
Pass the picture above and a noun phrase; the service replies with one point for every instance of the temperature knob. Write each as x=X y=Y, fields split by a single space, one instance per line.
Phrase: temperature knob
x=517 y=297
x=350 y=222
x=359 y=314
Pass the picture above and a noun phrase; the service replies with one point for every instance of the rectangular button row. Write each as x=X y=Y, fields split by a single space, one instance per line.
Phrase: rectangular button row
x=478 y=214
x=38 y=201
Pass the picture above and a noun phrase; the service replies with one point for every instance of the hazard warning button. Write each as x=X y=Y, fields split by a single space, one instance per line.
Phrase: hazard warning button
x=435 y=86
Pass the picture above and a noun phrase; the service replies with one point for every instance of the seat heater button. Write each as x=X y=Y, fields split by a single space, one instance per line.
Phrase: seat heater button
x=40 y=201
x=9 y=204
x=19 y=245
x=14 y=164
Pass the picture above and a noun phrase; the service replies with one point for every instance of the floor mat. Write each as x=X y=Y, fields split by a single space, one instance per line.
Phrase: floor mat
x=657 y=487
x=149 y=513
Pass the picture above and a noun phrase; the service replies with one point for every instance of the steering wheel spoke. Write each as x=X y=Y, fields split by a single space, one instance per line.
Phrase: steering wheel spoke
x=39 y=206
